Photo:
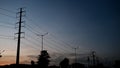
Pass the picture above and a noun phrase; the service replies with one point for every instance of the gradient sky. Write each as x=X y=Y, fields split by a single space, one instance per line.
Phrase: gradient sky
x=89 y=24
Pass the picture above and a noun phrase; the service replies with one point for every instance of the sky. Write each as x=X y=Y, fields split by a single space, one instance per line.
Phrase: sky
x=88 y=25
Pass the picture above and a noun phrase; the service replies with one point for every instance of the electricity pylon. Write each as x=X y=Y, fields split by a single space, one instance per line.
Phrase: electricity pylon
x=19 y=35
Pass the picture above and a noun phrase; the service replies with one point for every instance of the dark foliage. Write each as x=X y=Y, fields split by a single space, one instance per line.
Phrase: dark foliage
x=43 y=60
x=77 y=65
x=64 y=63
x=117 y=64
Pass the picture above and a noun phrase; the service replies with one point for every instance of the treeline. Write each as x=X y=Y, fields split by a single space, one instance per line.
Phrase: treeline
x=43 y=62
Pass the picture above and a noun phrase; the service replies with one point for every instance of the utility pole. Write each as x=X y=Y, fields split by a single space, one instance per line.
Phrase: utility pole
x=42 y=36
x=88 y=60
x=19 y=35
x=75 y=55
x=93 y=55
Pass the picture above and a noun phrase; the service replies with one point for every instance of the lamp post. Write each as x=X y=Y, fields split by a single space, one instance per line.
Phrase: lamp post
x=42 y=36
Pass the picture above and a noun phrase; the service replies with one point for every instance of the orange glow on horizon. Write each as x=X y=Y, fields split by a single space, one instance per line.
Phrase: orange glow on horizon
x=7 y=60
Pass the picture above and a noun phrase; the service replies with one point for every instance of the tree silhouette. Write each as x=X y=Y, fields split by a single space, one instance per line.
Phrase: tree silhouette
x=43 y=59
x=64 y=63
x=32 y=63
x=117 y=64
x=78 y=65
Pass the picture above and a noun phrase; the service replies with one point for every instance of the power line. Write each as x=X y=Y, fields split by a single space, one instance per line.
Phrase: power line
x=29 y=19
x=32 y=38
x=8 y=23
x=7 y=26
x=32 y=42
x=36 y=48
x=37 y=40
x=7 y=10
x=47 y=42
x=53 y=36
x=37 y=34
x=6 y=36
x=7 y=15
x=68 y=45
x=62 y=41
x=58 y=43
x=58 y=48
x=31 y=31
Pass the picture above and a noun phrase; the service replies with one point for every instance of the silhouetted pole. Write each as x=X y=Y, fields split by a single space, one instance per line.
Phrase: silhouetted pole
x=42 y=36
x=93 y=55
x=97 y=60
x=19 y=37
x=42 y=42
x=75 y=55
x=88 y=60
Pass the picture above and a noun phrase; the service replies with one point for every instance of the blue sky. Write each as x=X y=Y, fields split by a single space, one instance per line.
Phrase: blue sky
x=89 y=24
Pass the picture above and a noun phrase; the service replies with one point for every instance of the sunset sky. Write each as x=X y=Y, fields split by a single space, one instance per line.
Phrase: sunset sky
x=88 y=25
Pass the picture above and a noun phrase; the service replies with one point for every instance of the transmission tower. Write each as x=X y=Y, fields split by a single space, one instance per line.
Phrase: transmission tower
x=20 y=13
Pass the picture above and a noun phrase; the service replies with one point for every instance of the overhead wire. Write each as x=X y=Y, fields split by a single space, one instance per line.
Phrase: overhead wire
x=32 y=32
x=68 y=45
x=12 y=17
x=33 y=44
x=64 y=44
x=59 y=49
x=27 y=25
x=7 y=10
x=47 y=41
x=7 y=26
x=61 y=44
x=7 y=15
x=56 y=45
x=39 y=41
x=38 y=33
x=7 y=23
x=36 y=48
x=6 y=37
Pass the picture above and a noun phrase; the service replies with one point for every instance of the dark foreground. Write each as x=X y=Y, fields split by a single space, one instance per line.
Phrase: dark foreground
x=75 y=65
